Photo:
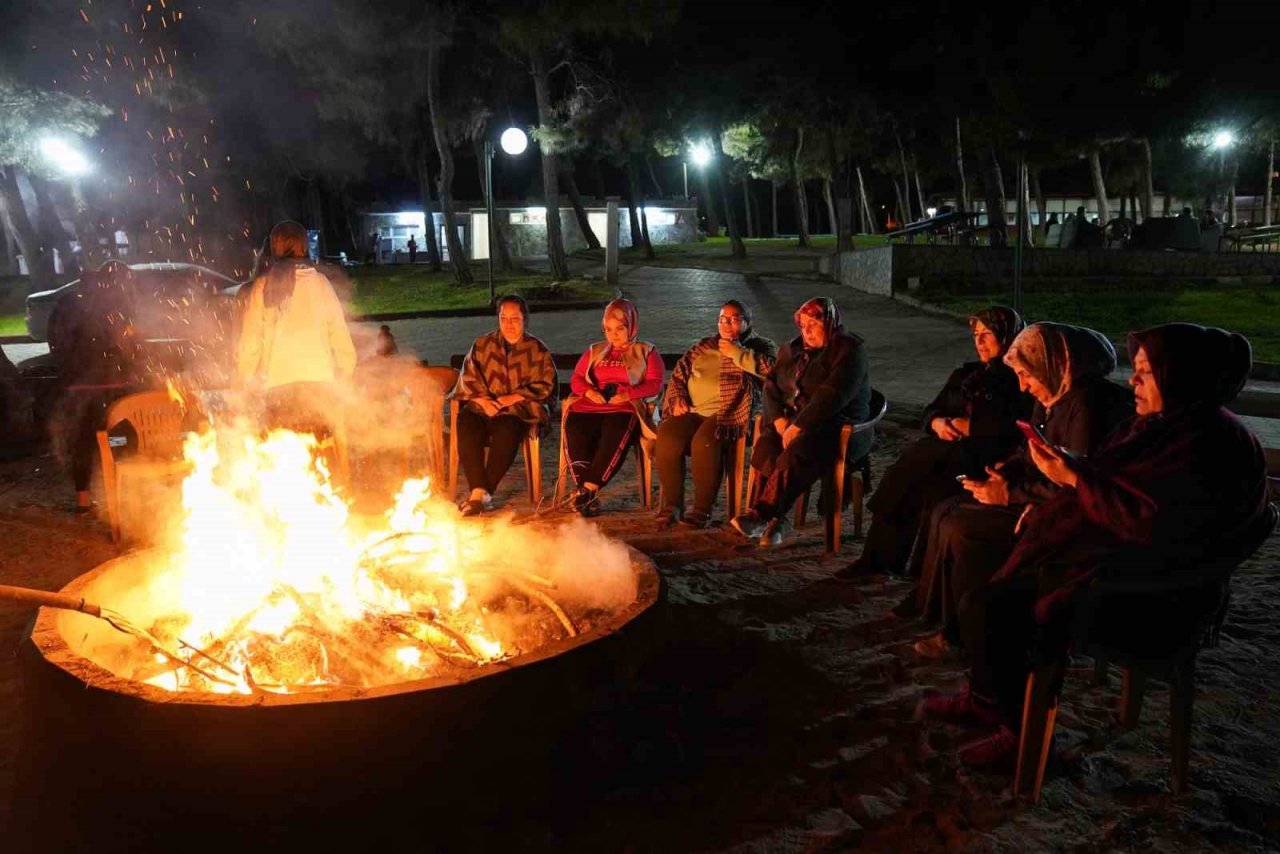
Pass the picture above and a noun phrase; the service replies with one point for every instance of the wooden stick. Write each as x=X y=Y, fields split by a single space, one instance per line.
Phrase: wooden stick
x=29 y=596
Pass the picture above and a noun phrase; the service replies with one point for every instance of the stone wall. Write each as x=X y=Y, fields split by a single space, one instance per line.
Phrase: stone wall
x=908 y=266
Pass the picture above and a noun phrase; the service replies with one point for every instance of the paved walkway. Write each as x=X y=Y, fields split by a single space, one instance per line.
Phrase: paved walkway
x=912 y=352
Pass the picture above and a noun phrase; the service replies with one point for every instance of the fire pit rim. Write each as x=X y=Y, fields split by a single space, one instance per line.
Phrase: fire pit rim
x=46 y=637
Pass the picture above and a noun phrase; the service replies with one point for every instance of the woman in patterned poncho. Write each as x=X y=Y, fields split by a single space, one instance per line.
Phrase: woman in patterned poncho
x=507 y=378
x=713 y=394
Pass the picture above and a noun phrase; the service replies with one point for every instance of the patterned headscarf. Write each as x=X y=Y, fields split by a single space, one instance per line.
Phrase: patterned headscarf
x=1059 y=355
x=1004 y=323
x=629 y=316
x=824 y=309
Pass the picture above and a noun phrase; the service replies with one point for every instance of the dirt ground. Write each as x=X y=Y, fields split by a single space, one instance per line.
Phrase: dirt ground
x=775 y=713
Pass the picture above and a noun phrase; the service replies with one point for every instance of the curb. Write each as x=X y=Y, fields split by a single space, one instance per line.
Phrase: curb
x=1267 y=371
x=17 y=339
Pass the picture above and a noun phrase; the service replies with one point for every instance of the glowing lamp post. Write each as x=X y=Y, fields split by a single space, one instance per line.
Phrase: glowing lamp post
x=514 y=142
x=700 y=154
x=63 y=156
x=1222 y=140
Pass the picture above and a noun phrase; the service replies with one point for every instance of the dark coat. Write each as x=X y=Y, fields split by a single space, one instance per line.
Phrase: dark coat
x=988 y=395
x=831 y=386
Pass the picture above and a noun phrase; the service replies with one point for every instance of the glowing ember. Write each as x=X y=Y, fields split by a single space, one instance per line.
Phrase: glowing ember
x=273 y=584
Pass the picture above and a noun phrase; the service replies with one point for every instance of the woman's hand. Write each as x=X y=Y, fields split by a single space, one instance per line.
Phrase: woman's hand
x=961 y=426
x=943 y=428
x=678 y=408
x=993 y=490
x=594 y=396
x=790 y=435
x=1053 y=464
x=620 y=398
x=781 y=425
x=488 y=406
x=509 y=400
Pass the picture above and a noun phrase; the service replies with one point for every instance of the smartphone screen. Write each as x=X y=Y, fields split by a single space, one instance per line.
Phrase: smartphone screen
x=1032 y=432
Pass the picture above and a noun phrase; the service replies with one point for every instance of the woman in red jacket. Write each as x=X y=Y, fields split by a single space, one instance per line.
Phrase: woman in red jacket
x=611 y=384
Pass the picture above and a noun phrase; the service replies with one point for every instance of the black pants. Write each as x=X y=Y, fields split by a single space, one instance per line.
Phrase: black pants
x=597 y=443
x=967 y=542
x=922 y=476
x=1004 y=642
x=694 y=435
x=82 y=413
x=501 y=434
x=789 y=472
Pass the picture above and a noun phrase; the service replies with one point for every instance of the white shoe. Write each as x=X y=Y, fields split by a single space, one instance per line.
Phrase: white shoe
x=749 y=524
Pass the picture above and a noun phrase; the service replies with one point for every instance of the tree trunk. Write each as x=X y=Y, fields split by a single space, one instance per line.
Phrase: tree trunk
x=1231 y=193
x=901 y=206
x=1042 y=206
x=1099 y=185
x=737 y=248
x=653 y=176
x=52 y=234
x=962 y=197
x=906 y=178
x=644 y=214
x=556 y=259
x=597 y=178
x=920 y=196
x=1271 y=168
x=802 y=202
x=439 y=124
x=774 y=187
x=1148 y=196
x=746 y=204
x=993 y=189
x=10 y=250
x=571 y=188
x=831 y=208
x=869 y=218
x=708 y=199
x=428 y=208
x=14 y=212
x=634 y=200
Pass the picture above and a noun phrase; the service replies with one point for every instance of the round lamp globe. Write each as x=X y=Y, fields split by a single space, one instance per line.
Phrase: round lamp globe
x=514 y=141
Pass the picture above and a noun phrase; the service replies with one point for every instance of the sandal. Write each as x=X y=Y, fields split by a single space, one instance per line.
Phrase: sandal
x=696 y=519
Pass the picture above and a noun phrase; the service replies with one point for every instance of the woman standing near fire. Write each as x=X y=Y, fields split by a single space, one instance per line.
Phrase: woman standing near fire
x=607 y=411
x=294 y=343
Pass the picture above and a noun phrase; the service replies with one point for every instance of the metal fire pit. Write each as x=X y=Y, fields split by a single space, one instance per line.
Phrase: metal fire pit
x=114 y=746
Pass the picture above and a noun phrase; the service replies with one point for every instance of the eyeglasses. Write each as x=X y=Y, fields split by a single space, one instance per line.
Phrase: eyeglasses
x=735 y=319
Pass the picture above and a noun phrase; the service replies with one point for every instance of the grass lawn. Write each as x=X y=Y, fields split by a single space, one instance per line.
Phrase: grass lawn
x=390 y=288
x=1253 y=311
x=13 y=305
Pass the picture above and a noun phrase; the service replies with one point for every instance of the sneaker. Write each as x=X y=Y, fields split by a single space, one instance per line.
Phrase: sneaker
x=999 y=749
x=774 y=532
x=961 y=707
x=586 y=502
x=696 y=519
x=933 y=647
x=749 y=524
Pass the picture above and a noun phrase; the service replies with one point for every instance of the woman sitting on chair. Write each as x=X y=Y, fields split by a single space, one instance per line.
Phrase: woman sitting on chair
x=1180 y=487
x=821 y=382
x=611 y=384
x=971 y=425
x=708 y=406
x=506 y=380
x=1065 y=369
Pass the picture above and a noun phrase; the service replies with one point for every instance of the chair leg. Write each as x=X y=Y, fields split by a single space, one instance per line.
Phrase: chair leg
x=1133 y=686
x=1182 y=690
x=453 y=453
x=533 y=469
x=1039 y=714
x=833 y=515
x=858 y=494
x=802 y=509
x=751 y=487
x=643 y=473
x=739 y=458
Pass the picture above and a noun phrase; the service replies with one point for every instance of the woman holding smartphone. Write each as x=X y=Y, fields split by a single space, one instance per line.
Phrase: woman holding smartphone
x=611 y=385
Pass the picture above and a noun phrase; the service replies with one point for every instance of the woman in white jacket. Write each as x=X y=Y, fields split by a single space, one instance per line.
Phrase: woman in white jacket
x=294 y=343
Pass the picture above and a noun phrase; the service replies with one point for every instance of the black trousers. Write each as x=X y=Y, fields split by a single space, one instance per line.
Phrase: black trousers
x=501 y=434
x=694 y=435
x=967 y=542
x=81 y=414
x=597 y=443
x=922 y=476
x=1004 y=642
x=789 y=471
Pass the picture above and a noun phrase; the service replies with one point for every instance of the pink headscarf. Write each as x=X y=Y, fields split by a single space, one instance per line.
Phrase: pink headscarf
x=624 y=310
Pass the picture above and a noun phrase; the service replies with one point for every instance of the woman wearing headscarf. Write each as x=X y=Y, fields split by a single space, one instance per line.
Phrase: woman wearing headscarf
x=821 y=382
x=610 y=384
x=294 y=342
x=970 y=425
x=710 y=400
x=506 y=380
x=1178 y=488
x=1064 y=368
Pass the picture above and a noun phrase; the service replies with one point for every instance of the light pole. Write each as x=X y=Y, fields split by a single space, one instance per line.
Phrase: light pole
x=1222 y=140
x=513 y=141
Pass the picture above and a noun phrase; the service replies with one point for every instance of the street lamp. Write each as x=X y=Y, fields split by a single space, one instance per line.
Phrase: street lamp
x=1222 y=140
x=63 y=156
x=700 y=154
x=514 y=142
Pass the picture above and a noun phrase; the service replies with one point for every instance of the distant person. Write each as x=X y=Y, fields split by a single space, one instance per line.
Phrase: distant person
x=374 y=240
x=1080 y=214
x=294 y=343
x=1186 y=213
x=386 y=342
x=1053 y=219
x=412 y=246
x=1208 y=219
